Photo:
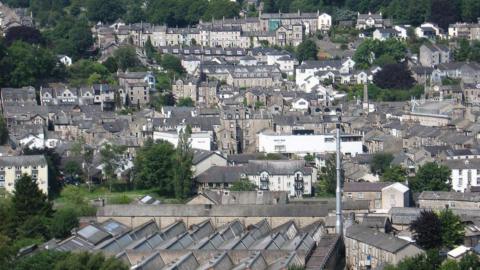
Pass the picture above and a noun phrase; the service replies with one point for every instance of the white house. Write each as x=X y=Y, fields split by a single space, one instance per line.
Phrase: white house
x=37 y=141
x=428 y=30
x=198 y=140
x=300 y=104
x=64 y=59
x=13 y=167
x=465 y=173
x=291 y=176
x=191 y=64
x=305 y=141
x=402 y=31
x=324 y=22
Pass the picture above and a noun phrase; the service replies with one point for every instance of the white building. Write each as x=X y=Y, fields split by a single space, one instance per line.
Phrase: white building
x=285 y=62
x=428 y=30
x=306 y=142
x=324 y=22
x=465 y=173
x=64 y=59
x=291 y=176
x=37 y=141
x=198 y=140
x=13 y=167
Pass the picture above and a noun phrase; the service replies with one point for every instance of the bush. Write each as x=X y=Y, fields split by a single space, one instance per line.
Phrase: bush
x=120 y=199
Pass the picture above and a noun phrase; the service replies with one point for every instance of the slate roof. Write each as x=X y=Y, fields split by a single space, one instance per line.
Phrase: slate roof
x=365 y=186
x=449 y=196
x=375 y=238
x=221 y=174
x=12 y=161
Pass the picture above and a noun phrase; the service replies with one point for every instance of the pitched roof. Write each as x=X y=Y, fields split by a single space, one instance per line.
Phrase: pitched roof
x=365 y=186
x=449 y=196
x=375 y=238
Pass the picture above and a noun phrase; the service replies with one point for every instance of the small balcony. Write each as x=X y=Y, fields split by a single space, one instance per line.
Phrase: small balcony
x=298 y=184
x=264 y=183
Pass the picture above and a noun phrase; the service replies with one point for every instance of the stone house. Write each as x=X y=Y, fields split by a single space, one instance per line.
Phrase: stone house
x=434 y=54
x=366 y=21
x=13 y=167
x=239 y=128
x=203 y=160
x=381 y=195
x=368 y=248
x=451 y=200
x=18 y=96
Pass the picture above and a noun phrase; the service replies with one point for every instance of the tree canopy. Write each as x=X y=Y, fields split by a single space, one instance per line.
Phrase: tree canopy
x=394 y=76
x=185 y=102
x=307 y=50
x=375 y=52
x=380 y=162
x=47 y=260
x=153 y=165
x=394 y=173
x=427 y=230
x=452 y=228
x=24 y=64
x=243 y=185
x=431 y=176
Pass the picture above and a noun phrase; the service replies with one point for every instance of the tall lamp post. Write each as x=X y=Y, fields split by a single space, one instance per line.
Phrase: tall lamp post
x=339 y=220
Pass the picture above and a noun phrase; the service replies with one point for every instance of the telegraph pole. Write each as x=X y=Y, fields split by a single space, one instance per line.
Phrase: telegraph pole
x=339 y=221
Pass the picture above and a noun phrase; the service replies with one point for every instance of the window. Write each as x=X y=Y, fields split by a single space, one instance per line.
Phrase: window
x=361 y=195
x=349 y=195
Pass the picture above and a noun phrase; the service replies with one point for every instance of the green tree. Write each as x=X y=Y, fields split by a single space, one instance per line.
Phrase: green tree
x=427 y=230
x=243 y=185
x=380 y=162
x=27 y=64
x=327 y=183
x=106 y=11
x=112 y=161
x=185 y=102
x=111 y=64
x=219 y=9
x=462 y=53
x=153 y=164
x=307 y=50
x=126 y=57
x=182 y=171
x=63 y=221
x=452 y=228
x=431 y=176
x=149 y=49
x=431 y=260
x=53 y=163
x=449 y=265
x=28 y=200
x=370 y=51
x=72 y=168
x=394 y=173
x=46 y=260
x=3 y=131
x=469 y=262
x=172 y=64
x=7 y=251
x=309 y=158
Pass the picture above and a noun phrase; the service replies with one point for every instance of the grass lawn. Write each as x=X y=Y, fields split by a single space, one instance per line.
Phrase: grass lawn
x=115 y=197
